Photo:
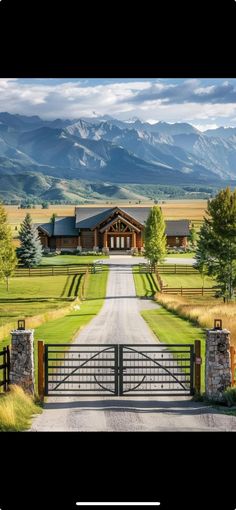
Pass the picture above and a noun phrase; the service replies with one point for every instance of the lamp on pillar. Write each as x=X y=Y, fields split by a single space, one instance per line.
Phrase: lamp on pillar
x=21 y=325
x=218 y=324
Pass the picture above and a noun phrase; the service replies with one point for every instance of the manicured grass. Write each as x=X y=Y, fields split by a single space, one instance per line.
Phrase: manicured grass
x=16 y=410
x=145 y=283
x=167 y=326
x=186 y=280
x=171 y=329
x=29 y=296
x=70 y=260
x=63 y=330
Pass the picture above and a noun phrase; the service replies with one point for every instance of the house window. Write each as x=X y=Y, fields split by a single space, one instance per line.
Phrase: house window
x=128 y=242
x=122 y=242
x=177 y=241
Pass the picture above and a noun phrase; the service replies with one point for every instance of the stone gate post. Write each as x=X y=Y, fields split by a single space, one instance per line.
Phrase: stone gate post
x=22 y=359
x=218 y=367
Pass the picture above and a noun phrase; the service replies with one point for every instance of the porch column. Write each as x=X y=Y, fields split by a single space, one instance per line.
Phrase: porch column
x=95 y=238
x=105 y=239
x=134 y=240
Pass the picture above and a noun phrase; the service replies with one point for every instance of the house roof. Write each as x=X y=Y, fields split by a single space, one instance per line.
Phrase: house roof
x=177 y=228
x=63 y=226
x=90 y=217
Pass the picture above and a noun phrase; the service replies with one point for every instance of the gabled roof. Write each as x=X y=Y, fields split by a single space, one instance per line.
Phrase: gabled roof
x=63 y=226
x=89 y=217
x=114 y=220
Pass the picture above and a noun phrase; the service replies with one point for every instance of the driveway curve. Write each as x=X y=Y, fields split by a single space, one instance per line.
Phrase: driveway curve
x=120 y=321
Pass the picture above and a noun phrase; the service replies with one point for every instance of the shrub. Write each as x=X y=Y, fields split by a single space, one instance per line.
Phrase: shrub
x=229 y=397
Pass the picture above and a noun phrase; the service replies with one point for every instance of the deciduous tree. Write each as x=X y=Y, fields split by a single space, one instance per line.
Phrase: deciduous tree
x=155 y=236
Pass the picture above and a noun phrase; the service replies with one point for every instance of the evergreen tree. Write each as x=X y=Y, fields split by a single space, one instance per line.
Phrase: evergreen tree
x=217 y=242
x=8 y=260
x=155 y=236
x=30 y=251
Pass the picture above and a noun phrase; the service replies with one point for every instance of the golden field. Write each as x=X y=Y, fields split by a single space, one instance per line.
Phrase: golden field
x=202 y=310
x=173 y=210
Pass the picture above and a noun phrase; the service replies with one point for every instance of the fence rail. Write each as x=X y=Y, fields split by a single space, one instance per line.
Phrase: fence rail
x=187 y=291
x=53 y=270
x=4 y=368
x=168 y=269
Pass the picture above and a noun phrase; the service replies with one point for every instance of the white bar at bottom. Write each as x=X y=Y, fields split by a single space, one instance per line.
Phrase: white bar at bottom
x=117 y=503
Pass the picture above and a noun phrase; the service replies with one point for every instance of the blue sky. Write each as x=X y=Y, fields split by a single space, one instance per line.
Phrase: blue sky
x=205 y=103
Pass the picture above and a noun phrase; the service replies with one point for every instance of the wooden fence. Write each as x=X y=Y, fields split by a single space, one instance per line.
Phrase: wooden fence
x=189 y=291
x=53 y=270
x=168 y=269
x=4 y=368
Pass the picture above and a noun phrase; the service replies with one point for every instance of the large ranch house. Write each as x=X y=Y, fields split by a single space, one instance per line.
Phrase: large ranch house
x=100 y=228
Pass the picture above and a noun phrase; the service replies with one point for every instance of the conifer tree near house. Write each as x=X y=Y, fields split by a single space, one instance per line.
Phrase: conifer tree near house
x=155 y=236
x=8 y=260
x=30 y=251
x=216 y=249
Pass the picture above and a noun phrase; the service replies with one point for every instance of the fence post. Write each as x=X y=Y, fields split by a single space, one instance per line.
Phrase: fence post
x=232 y=357
x=175 y=269
x=197 y=366
x=181 y=291
x=202 y=291
x=5 y=369
x=41 y=370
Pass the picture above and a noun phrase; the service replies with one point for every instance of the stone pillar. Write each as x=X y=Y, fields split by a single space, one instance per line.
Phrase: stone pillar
x=218 y=369
x=22 y=359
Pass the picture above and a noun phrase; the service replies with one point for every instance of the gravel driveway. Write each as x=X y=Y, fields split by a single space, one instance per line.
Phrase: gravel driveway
x=120 y=321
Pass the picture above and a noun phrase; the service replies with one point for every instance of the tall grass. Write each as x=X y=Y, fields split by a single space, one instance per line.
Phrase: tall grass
x=37 y=320
x=202 y=314
x=16 y=410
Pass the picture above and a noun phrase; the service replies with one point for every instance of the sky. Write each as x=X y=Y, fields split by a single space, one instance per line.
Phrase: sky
x=204 y=103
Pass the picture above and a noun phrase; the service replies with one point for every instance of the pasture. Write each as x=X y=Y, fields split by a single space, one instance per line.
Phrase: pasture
x=29 y=296
x=187 y=280
x=172 y=209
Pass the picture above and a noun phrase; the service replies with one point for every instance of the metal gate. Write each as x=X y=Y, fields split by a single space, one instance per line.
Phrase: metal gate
x=119 y=370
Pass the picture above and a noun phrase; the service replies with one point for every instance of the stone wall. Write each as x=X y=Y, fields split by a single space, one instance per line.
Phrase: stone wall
x=218 y=368
x=22 y=359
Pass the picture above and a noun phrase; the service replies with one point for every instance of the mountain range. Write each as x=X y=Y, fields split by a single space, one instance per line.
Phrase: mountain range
x=100 y=158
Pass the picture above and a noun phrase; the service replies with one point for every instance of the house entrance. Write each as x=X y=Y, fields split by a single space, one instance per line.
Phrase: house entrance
x=119 y=242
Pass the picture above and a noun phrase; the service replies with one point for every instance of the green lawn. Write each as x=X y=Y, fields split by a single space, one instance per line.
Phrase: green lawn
x=186 y=280
x=63 y=330
x=171 y=329
x=167 y=326
x=145 y=283
x=28 y=296
x=70 y=260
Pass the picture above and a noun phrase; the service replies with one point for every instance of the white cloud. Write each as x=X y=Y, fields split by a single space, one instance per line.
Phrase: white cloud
x=76 y=98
